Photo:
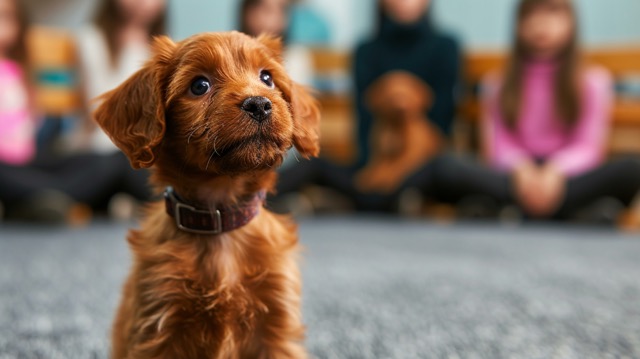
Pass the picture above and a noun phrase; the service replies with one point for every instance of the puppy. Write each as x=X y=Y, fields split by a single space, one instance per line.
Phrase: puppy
x=402 y=138
x=214 y=273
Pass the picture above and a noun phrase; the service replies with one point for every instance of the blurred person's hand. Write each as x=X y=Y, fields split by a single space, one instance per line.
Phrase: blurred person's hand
x=552 y=189
x=524 y=177
x=527 y=187
x=539 y=189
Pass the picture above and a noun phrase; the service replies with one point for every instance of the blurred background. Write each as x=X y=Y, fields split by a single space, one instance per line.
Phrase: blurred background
x=76 y=50
x=613 y=22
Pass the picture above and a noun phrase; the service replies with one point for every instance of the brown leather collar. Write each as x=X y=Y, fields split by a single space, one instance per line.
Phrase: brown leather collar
x=211 y=221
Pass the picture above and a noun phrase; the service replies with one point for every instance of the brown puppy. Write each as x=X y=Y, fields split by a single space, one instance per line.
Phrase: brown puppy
x=214 y=274
x=402 y=139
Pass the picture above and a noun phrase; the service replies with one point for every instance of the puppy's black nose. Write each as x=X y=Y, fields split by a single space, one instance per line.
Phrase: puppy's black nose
x=259 y=108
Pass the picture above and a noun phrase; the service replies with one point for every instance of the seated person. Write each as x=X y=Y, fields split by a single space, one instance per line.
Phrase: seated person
x=406 y=41
x=546 y=121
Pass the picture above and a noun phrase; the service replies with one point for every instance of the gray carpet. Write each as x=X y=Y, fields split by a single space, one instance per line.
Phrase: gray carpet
x=374 y=288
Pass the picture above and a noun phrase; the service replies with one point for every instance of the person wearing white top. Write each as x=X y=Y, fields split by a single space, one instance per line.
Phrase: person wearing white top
x=111 y=49
x=100 y=75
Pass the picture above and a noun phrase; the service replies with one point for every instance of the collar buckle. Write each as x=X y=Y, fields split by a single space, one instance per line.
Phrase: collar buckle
x=178 y=206
x=222 y=219
x=216 y=215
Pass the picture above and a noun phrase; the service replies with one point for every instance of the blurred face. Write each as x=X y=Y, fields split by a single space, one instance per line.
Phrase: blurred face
x=141 y=12
x=405 y=11
x=9 y=26
x=547 y=30
x=268 y=17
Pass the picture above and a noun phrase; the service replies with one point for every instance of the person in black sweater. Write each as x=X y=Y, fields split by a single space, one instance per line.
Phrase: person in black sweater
x=405 y=40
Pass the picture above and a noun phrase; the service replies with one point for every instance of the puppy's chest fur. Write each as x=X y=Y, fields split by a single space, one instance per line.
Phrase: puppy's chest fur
x=208 y=296
x=203 y=293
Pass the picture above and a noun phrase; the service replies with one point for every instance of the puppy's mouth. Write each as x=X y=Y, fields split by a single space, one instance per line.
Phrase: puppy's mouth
x=253 y=143
x=257 y=152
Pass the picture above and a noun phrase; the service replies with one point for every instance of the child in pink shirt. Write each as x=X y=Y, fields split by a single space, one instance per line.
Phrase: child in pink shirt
x=538 y=133
x=545 y=125
x=17 y=130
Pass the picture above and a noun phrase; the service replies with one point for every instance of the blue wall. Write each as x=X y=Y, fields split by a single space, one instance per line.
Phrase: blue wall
x=478 y=23
x=192 y=16
x=487 y=23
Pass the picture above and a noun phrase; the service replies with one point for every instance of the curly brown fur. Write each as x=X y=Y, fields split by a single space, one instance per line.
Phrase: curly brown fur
x=233 y=295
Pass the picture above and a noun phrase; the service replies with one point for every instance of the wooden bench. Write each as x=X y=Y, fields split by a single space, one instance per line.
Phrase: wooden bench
x=338 y=114
x=53 y=60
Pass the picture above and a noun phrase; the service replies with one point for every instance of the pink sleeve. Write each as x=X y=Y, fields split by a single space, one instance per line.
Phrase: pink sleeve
x=504 y=151
x=588 y=143
x=17 y=129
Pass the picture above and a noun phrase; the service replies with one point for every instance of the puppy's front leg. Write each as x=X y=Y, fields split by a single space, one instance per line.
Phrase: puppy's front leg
x=280 y=334
x=280 y=337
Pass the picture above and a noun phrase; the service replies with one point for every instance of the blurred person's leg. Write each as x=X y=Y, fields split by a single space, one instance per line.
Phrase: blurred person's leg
x=375 y=202
x=19 y=182
x=298 y=175
x=67 y=175
x=476 y=190
x=132 y=189
x=134 y=182
x=87 y=178
x=29 y=193
x=316 y=171
x=455 y=178
x=618 y=180
x=335 y=181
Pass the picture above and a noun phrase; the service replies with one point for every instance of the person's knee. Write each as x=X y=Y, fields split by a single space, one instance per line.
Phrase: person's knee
x=628 y=167
x=448 y=169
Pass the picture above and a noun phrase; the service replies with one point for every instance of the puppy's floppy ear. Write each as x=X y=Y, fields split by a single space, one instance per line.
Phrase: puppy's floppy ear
x=273 y=44
x=133 y=114
x=306 y=121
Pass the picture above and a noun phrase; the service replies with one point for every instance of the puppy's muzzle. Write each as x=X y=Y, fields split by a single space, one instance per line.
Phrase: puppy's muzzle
x=259 y=108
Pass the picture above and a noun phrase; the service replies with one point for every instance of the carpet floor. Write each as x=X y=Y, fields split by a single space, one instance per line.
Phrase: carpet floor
x=373 y=288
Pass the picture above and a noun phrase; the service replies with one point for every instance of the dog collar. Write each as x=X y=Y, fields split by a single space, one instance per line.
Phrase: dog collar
x=211 y=221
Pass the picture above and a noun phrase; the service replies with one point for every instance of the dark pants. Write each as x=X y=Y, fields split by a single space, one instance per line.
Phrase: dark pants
x=450 y=179
x=87 y=178
x=457 y=178
x=323 y=173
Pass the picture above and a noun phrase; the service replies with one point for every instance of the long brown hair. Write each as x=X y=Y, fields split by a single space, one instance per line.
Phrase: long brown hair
x=566 y=89
x=109 y=19
x=18 y=52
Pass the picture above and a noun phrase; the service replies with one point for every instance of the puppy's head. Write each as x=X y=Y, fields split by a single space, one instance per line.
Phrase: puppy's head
x=213 y=104
x=397 y=93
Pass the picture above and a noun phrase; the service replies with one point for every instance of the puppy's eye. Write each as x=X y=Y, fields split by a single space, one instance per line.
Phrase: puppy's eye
x=200 y=86
x=266 y=78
